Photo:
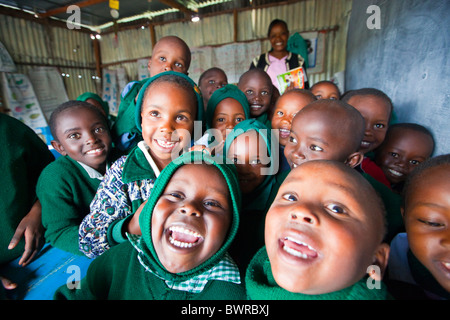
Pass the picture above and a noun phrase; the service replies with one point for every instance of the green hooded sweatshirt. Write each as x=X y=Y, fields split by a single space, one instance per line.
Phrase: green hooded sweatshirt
x=132 y=270
x=255 y=205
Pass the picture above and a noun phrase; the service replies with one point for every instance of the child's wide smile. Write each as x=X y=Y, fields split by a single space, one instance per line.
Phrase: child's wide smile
x=191 y=218
x=184 y=237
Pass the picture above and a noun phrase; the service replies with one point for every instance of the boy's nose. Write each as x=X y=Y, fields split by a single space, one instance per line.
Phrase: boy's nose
x=190 y=209
x=303 y=213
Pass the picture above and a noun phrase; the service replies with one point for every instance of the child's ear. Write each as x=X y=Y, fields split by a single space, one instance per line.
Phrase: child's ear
x=381 y=258
x=58 y=147
x=354 y=159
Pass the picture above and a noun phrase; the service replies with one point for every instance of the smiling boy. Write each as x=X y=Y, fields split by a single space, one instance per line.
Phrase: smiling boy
x=323 y=230
x=420 y=258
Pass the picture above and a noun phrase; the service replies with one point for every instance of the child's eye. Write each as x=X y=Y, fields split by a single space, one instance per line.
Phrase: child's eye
x=292 y=139
x=394 y=154
x=175 y=196
x=430 y=223
x=162 y=59
x=264 y=93
x=99 y=130
x=220 y=120
x=318 y=96
x=280 y=113
x=211 y=81
x=379 y=126
x=178 y=65
x=249 y=92
x=154 y=114
x=255 y=162
x=289 y=197
x=74 y=136
x=239 y=119
x=181 y=117
x=212 y=203
x=414 y=162
x=313 y=147
x=335 y=208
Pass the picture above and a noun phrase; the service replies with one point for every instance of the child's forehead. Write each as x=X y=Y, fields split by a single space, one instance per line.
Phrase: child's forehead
x=367 y=101
x=80 y=113
x=256 y=79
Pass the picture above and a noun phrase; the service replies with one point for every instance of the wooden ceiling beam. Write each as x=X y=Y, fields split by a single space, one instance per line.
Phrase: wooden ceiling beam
x=59 y=10
x=179 y=6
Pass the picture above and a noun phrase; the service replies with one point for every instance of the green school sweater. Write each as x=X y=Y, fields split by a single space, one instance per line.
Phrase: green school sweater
x=23 y=156
x=260 y=285
x=126 y=117
x=65 y=191
x=118 y=275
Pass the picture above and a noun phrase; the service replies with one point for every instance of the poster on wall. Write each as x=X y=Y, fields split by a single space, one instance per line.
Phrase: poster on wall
x=21 y=99
x=49 y=88
x=110 y=89
x=142 y=69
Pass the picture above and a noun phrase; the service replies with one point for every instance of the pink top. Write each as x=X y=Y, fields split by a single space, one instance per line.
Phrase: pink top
x=276 y=67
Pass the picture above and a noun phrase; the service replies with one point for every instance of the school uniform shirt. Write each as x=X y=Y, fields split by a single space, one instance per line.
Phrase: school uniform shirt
x=65 y=189
x=126 y=185
x=23 y=157
x=261 y=285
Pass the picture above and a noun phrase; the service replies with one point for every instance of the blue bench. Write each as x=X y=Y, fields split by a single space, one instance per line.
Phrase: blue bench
x=51 y=269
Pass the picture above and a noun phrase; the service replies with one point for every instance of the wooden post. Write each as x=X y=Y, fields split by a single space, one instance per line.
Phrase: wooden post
x=152 y=35
x=235 y=25
x=98 y=59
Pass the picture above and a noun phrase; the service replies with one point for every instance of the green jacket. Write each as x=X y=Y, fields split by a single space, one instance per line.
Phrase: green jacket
x=65 y=191
x=23 y=156
x=118 y=275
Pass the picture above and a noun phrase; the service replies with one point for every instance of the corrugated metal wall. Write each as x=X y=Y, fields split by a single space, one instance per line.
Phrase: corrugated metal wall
x=33 y=43
x=252 y=24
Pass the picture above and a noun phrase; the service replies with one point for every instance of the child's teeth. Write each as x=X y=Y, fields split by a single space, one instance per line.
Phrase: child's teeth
x=395 y=173
x=295 y=252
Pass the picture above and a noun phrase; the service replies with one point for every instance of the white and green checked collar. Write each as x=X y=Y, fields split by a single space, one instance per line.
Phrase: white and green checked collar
x=224 y=270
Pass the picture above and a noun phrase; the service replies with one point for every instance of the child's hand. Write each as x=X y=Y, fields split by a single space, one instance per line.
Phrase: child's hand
x=200 y=147
x=30 y=227
x=7 y=284
x=133 y=224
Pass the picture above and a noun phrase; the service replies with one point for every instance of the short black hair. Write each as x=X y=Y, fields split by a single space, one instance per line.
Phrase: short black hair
x=411 y=126
x=369 y=92
x=180 y=81
x=208 y=71
x=275 y=22
x=72 y=104
x=418 y=173
x=327 y=82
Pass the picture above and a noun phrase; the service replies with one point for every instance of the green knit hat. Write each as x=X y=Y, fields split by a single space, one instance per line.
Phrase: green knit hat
x=90 y=95
x=228 y=91
x=141 y=95
x=145 y=218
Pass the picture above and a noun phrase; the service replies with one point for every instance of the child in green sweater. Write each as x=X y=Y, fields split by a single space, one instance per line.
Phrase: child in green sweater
x=324 y=232
x=187 y=225
x=170 y=53
x=251 y=148
x=67 y=186
x=332 y=130
x=24 y=156
x=258 y=89
x=166 y=109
